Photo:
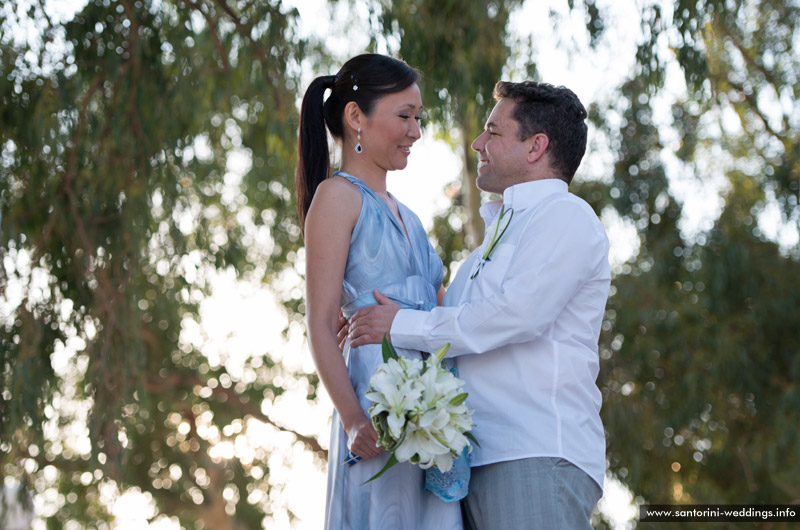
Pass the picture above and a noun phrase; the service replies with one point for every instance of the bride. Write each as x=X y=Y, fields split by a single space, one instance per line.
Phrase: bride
x=358 y=238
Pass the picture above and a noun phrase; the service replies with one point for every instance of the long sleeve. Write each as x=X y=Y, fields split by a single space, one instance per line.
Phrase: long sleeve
x=552 y=256
x=531 y=318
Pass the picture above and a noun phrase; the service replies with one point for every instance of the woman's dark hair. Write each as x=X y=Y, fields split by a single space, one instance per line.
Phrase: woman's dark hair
x=554 y=111
x=364 y=79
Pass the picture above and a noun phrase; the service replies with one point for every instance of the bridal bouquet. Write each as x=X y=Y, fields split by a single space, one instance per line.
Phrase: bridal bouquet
x=419 y=410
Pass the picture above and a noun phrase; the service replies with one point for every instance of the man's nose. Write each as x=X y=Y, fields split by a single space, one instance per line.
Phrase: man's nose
x=479 y=142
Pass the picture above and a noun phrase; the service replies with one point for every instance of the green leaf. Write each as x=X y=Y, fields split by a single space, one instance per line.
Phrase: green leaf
x=388 y=350
x=459 y=399
x=441 y=352
x=393 y=447
x=381 y=425
x=472 y=438
x=389 y=463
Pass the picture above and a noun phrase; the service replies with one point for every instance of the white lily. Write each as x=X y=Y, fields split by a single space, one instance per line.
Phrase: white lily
x=434 y=419
x=419 y=410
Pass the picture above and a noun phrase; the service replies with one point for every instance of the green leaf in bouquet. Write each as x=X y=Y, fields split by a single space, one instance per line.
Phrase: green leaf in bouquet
x=392 y=461
x=472 y=438
x=459 y=399
x=388 y=350
x=381 y=424
x=393 y=447
x=441 y=352
x=385 y=438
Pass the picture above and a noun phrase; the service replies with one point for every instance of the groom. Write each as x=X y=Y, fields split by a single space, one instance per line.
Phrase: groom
x=523 y=315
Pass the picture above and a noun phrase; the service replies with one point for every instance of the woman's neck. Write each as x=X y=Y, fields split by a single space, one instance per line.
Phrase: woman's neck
x=369 y=174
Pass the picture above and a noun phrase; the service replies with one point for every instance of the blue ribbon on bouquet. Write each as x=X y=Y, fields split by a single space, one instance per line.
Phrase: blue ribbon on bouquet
x=449 y=487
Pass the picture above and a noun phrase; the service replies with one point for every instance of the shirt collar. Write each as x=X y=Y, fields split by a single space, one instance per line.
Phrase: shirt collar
x=523 y=196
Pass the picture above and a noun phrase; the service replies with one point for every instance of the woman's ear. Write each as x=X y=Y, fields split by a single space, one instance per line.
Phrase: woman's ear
x=353 y=117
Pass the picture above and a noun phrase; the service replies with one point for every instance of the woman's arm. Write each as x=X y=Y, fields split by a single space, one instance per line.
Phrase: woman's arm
x=440 y=295
x=330 y=221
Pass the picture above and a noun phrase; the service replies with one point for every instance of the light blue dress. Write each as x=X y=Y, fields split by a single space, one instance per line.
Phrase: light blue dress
x=407 y=270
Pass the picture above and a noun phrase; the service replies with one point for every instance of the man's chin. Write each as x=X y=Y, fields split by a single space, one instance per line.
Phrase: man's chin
x=484 y=182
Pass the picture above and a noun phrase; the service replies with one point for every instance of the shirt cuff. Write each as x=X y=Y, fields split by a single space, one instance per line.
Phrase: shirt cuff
x=406 y=328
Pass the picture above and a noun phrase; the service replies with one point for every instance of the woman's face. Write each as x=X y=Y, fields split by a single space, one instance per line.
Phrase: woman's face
x=392 y=128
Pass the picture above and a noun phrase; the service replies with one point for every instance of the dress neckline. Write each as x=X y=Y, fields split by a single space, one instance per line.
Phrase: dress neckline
x=400 y=223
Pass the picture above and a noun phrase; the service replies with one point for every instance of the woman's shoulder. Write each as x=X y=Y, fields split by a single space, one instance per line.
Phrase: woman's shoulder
x=337 y=191
x=336 y=199
x=338 y=188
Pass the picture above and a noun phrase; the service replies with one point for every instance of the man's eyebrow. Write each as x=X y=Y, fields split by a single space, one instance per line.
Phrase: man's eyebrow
x=491 y=124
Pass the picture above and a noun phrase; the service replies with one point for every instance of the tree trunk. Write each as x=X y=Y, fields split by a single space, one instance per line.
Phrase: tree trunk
x=472 y=195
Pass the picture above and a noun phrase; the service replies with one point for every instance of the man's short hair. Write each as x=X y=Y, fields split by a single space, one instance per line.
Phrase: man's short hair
x=555 y=111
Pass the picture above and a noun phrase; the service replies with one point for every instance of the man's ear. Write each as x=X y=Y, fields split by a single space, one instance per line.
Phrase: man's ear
x=537 y=145
x=353 y=117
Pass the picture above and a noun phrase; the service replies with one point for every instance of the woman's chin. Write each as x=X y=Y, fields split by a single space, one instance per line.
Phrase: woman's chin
x=401 y=164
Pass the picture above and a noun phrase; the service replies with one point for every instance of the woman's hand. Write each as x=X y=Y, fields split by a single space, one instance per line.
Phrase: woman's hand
x=362 y=439
x=344 y=331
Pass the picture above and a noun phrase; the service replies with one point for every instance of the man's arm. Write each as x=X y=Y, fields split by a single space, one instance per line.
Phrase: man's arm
x=369 y=324
x=558 y=253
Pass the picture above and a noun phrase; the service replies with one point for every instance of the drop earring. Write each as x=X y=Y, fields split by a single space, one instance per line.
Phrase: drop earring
x=358 y=145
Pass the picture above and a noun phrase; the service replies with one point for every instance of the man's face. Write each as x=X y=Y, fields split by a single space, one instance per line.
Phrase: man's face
x=502 y=157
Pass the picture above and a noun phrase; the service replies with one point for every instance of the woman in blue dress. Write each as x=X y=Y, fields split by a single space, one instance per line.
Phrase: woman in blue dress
x=358 y=238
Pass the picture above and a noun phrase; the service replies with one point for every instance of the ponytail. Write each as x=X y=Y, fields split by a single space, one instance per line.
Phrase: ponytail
x=313 y=156
x=363 y=79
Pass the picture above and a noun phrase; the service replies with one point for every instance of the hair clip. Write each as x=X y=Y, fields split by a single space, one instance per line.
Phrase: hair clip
x=355 y=84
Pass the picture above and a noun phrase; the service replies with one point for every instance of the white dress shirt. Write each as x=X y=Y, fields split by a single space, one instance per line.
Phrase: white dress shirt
x=526 y=329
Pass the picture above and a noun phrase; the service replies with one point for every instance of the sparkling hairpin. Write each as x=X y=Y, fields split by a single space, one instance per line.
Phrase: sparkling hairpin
x=355 y=84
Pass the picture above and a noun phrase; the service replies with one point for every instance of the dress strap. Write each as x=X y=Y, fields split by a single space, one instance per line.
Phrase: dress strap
x=353 y=180
x=381 y=204
x=407 y=219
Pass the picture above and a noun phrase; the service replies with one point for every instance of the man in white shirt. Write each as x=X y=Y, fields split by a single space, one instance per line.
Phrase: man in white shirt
x=523 y=315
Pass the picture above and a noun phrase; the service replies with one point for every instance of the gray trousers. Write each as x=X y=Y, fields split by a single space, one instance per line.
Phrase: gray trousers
x=530 y=494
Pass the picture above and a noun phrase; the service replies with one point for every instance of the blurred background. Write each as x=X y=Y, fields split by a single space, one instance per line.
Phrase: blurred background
x=153 y=365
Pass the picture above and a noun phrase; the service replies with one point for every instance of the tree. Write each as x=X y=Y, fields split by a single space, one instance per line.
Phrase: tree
x=119 y=133
x=699 y=375
x=119 y=129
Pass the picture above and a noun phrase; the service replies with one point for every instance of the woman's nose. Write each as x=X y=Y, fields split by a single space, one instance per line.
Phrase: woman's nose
x=416 y=131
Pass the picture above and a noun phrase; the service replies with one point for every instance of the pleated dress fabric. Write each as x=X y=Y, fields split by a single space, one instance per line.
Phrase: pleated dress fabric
x=407 y=269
